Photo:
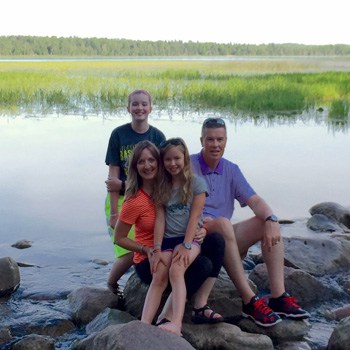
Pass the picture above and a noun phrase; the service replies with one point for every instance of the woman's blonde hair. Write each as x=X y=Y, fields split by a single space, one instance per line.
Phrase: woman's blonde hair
x=134 y=179
x=164 y=187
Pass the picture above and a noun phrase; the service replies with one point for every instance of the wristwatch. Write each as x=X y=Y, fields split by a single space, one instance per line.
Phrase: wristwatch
x=272 y=218
x=187 y=245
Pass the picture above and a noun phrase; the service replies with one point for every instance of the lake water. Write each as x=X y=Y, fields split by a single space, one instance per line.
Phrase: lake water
x=52 y=187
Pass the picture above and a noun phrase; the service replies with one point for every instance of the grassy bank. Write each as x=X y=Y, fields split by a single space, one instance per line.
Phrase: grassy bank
x=251 y=86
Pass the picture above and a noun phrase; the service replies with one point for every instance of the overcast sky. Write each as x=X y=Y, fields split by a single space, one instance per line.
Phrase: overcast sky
x=224 y=21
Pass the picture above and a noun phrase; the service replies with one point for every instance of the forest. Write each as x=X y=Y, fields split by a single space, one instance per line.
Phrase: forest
x=35 y=46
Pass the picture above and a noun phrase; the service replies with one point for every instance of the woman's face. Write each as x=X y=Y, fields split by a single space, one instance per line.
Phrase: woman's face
x=147 y=165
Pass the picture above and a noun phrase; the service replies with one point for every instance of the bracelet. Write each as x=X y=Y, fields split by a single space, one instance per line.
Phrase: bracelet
x=113 y=215
x=157 y=246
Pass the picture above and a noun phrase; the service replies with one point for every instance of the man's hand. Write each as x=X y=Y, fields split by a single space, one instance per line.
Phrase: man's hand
x=272 y=234
x=200 y=234
x=113 y=184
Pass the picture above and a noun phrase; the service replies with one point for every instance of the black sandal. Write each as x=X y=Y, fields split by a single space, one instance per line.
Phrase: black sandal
x=162 y=321
x=199 y=316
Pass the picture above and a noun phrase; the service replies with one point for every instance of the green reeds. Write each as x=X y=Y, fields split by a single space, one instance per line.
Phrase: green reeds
x=252 y=86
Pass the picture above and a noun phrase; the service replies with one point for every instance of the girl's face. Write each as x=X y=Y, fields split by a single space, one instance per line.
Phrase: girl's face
x=147 y=165
x=139 y=107
x=174 y=160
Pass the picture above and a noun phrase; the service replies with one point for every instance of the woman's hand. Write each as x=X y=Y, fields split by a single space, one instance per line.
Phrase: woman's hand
x=155 y=258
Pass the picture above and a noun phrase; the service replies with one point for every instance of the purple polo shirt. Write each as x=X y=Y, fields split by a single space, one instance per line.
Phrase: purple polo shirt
x=225 y=184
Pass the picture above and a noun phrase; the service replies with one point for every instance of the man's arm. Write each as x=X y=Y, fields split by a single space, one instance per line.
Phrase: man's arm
x=113 y=177
x=262 y=210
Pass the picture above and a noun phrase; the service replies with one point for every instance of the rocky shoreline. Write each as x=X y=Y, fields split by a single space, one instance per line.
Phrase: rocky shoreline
x=317 y=262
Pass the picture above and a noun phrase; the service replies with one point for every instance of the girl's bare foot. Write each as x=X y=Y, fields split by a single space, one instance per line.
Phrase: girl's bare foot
x=171 y=327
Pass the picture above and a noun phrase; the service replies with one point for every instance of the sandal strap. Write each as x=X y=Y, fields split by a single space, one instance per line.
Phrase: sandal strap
x=201 y=309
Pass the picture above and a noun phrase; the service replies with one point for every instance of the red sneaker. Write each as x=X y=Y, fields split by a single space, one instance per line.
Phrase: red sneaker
x=260 y=313
x=287 y=306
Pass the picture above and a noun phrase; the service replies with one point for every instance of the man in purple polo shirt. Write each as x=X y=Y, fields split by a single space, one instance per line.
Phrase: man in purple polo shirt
x=225 y=184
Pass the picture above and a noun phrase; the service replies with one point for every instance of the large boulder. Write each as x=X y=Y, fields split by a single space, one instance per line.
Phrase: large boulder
x=340 y=338
x=333 y=211
x=134 y=335
x=34 y=342
x=224 y=298
x=87 y=302
x=224 y=336
x=9 y=276
x=304 y=286
x=319 y=255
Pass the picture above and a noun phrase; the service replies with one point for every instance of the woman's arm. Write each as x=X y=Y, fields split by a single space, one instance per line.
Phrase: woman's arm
x=159 y=229
x=121 y=238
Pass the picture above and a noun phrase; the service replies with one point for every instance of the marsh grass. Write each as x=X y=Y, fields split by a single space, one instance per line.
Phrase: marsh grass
x=234 y=86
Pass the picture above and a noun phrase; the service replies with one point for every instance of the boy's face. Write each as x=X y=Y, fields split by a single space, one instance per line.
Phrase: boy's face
x=139 y=107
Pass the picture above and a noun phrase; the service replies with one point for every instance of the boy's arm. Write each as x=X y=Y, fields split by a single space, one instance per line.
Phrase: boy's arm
x=113 y=175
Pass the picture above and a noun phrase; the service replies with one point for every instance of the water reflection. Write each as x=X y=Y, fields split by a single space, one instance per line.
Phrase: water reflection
x=52 y=188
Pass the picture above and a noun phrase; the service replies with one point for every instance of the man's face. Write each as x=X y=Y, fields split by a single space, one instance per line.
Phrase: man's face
x=213 y=143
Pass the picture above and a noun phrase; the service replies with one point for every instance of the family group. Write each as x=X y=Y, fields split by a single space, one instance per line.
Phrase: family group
x=169 y=216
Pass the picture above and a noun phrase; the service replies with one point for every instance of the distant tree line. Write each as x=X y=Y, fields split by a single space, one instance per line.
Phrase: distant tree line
x=75 y=46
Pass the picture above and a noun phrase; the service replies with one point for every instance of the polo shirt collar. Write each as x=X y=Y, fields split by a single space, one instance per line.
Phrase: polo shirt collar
x=205 y=168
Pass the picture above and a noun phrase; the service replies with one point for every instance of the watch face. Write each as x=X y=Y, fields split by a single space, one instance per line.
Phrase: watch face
x=273 y=218
x=187 y=245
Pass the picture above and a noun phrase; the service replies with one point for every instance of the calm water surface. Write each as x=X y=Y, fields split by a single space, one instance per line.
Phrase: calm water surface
x=52 y=189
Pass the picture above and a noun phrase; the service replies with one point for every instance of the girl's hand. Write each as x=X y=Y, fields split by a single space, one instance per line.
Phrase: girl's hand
x=181 y=256
x=155 y=259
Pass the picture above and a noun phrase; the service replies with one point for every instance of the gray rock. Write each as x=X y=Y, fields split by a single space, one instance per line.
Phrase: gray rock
x=134 y=335
x=9 y=276
x=333 y=211
x=87 y=302
x=52 y=327
x=34 y=342
x=320 y=255
x=224 y=336
x=340 y=338
x=322 y=223
x=287 y=330
x=23 y=244
x=5 y=335
x=107 y=318
x=308 y=289
x=298 y=345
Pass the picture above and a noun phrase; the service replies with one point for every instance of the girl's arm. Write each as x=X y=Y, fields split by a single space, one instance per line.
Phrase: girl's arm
x=121 y=238
x=192 y=225
x=195 y=215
